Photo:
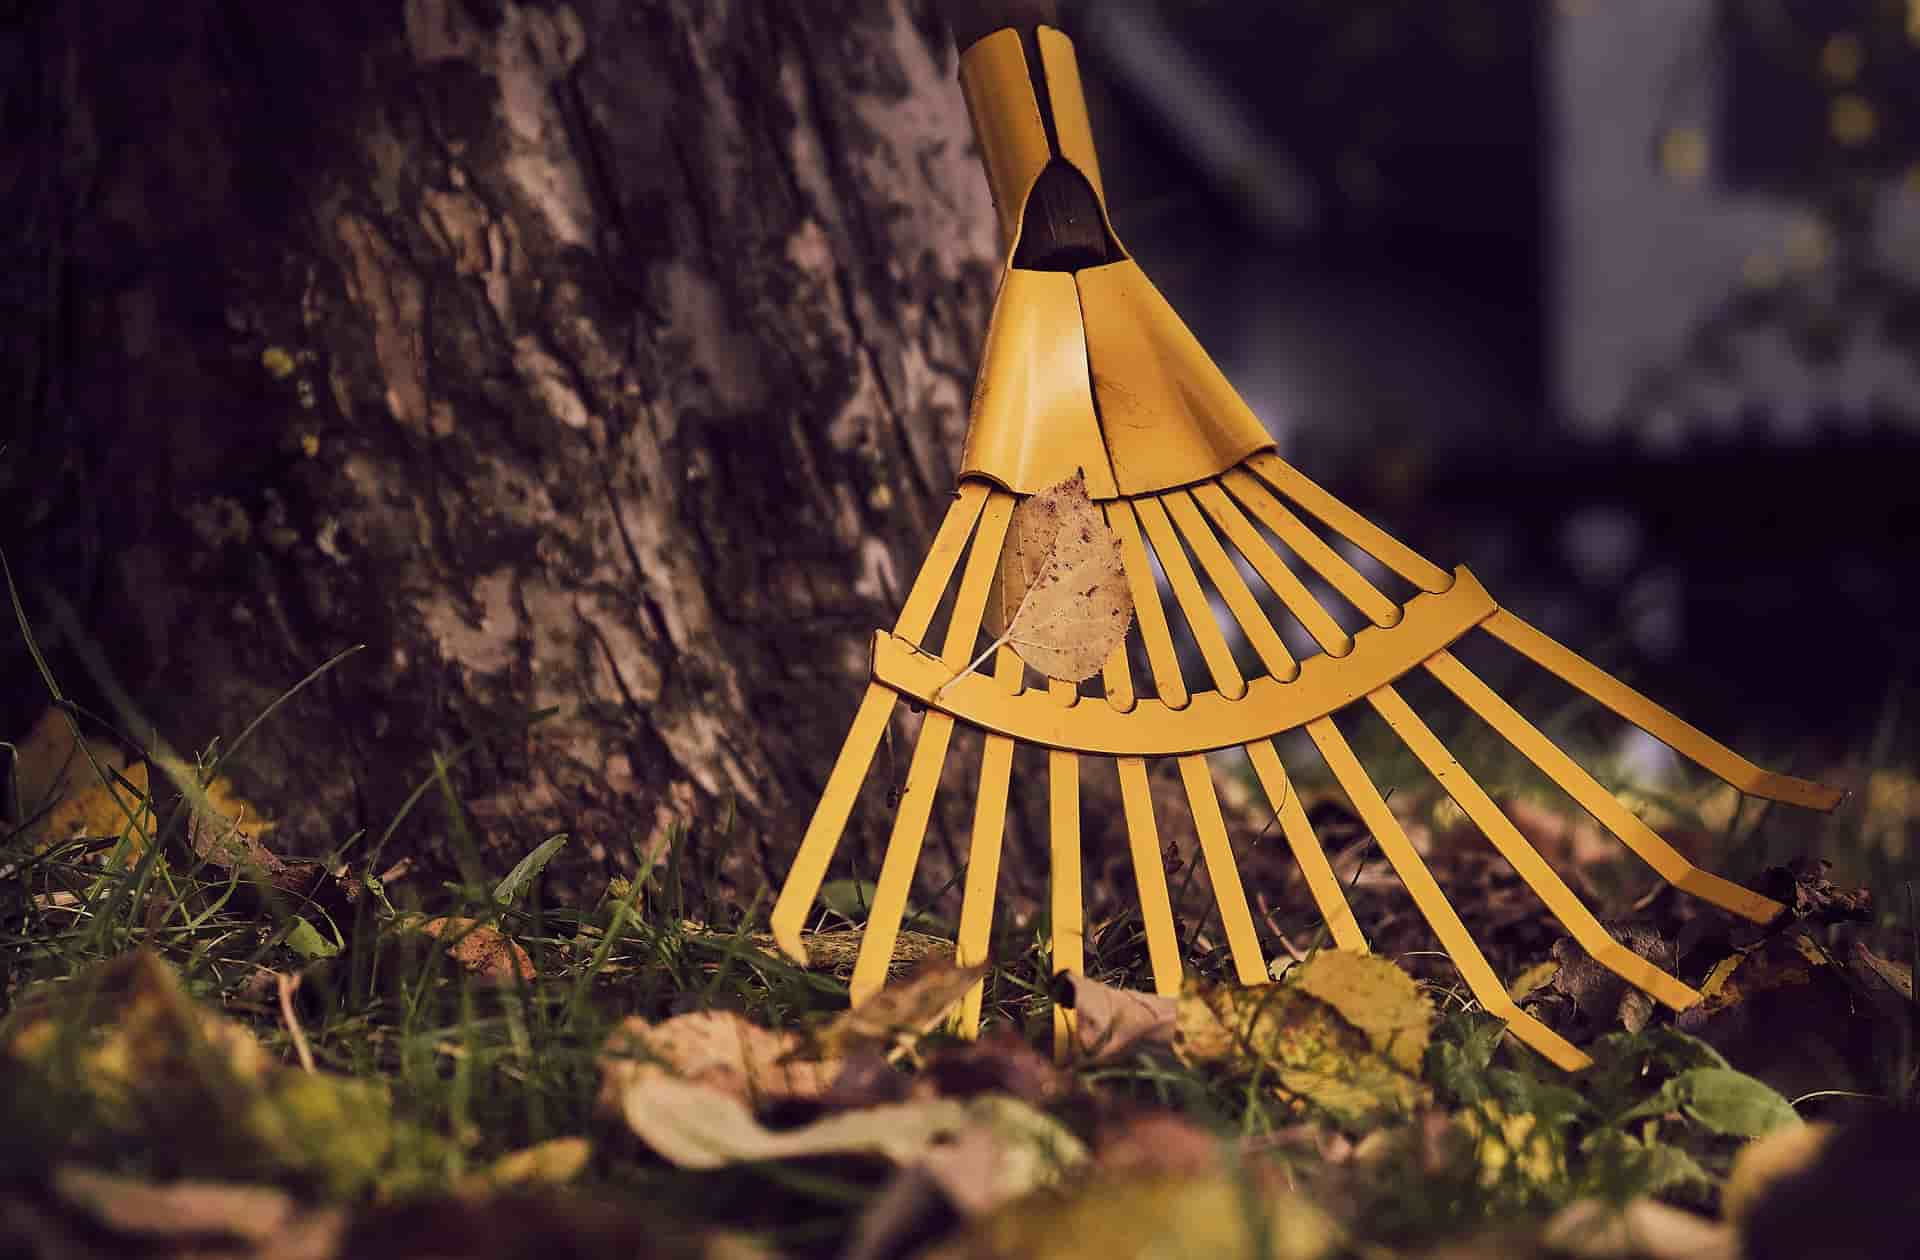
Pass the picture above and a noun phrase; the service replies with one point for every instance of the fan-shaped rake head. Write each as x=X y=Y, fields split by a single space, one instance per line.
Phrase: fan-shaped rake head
x=1090 y=371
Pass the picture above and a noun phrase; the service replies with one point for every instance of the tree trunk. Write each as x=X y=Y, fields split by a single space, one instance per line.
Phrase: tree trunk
x=609 y=355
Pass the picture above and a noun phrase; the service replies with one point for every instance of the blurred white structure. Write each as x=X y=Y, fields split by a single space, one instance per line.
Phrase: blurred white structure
x=1646 y=242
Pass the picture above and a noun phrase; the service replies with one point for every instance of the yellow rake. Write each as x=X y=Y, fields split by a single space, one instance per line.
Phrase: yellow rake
x=1088 y=369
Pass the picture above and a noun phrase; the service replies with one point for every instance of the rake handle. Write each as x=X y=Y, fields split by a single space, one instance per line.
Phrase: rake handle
x=1064 y=226
x=971 y=19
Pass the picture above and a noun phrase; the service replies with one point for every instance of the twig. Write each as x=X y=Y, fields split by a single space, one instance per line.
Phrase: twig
x=1005 y=638
x=287 y=985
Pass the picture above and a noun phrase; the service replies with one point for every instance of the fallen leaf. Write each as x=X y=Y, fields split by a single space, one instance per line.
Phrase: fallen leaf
x=1111 y=1023
x=130 y=1205
x=121 y=1058
x=1060 y=596
x=1131 y=1217
x=1603 y=999
x=1789 y=1015
x=1296 y=1038
x=1644 y=1229
x=901 y=1012
x=1804 y=886
x=1008 y=1151
x=718 y=1049
x=550 y=1163
x=1375 y=996
x=1888 y=983
x=697 y=1126
x=483 y=951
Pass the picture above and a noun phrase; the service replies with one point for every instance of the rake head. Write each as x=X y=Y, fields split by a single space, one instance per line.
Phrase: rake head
x=1089 y=370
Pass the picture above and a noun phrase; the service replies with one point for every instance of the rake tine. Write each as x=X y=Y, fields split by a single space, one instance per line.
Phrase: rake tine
x=850 y=768
x=1232 y=587
x=1307 y=853
x=1249 y=963
x=1309 y=546
x=1664 y=725
x=1069 y=918
x=1596 y=800
x=1432 y=902
x=983 y=855
x=936 y=571
x=1227 y=679
x=1143 y=840
x=1525 y=859
x=929 y=755
x=903 y=855
x=1349 y=524
x=1150 y=876
x=1147 y=609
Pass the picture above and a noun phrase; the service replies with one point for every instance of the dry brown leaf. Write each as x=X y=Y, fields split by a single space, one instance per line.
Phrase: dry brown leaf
x=717 y=1049
x=1644 y=1229
x=130 y=1205
x=1110 y=1023
x=485 y=952
x=1060 y=596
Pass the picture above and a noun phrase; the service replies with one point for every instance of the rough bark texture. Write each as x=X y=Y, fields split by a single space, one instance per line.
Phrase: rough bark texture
x=610 y=355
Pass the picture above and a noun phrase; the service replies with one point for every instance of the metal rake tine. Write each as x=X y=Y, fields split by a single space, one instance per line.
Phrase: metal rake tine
x=1068 y=912
x=1349 y=524
x=1432 y=902
x=1143 y=839
x=1661 y=723
x=1236 y=917
x=1249 y=963
x=1227 y=679
x=1666 y=861
x=1525 y=859
x=1309 y=546
x=1322 y=883
x=1226 y=579
x=1148 y=613
x=1150 y=876
x=929 y=756
x=829 y=821
x=983 y=853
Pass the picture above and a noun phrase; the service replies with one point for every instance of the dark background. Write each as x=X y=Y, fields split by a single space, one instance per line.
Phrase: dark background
x=1360 y=208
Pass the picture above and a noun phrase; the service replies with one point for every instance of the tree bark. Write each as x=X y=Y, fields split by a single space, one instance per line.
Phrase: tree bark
x=607 y=355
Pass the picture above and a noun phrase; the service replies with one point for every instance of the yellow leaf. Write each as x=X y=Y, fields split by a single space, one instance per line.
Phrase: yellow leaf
x=1131 y=1217
x=1375 y=996
x=551 y=1163
x=1060 y=596
x=1315 y=1052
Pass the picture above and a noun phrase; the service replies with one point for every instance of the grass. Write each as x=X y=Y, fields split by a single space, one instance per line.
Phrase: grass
x=464 y=1071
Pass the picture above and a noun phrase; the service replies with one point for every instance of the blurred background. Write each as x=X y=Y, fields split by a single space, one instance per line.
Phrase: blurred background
x=1615 y=301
